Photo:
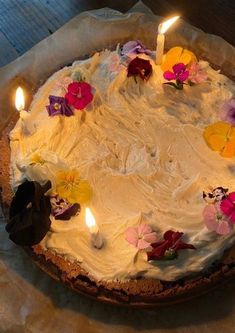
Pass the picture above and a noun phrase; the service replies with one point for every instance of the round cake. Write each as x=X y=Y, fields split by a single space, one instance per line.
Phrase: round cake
x=147 y=152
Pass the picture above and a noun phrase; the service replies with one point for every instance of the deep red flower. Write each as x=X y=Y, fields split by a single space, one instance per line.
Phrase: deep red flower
x=167 y=248
x=79 y=94
x=140 y=67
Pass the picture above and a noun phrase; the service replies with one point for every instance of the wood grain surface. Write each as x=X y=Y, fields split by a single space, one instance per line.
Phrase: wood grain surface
x=23 y=23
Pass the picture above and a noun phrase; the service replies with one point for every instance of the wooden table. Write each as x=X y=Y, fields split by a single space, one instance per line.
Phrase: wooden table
x=23 y=23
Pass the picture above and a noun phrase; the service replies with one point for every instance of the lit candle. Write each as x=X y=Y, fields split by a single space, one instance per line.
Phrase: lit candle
x=162 y=29
x=96 y=238
x=26 y=126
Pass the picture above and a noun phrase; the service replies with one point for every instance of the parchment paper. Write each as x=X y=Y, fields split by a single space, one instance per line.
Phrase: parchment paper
x=30 y=301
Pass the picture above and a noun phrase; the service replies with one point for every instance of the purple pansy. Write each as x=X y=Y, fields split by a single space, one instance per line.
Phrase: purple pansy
x=58 y=106
x=62 y=209
x=134 y=47
x=228 y=111
x=180 y=73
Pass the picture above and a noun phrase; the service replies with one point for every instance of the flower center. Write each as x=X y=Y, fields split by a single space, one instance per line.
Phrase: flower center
x=79 y=93
x=57 y=106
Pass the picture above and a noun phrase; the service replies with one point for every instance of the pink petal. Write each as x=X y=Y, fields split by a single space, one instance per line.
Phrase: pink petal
x=169 y=76
x=85 y=87
x=232 y=217
x=231 y=196
x=227 y=207
x=132 y=236
x=70 y=98
x=209 y=216
x=142 y=244
x=73 y=87
x=184 y=76
x=178 y=68
x=80 y=103
x=144 y=229
x=209 y=212
x=150 y=238
x=223 y=227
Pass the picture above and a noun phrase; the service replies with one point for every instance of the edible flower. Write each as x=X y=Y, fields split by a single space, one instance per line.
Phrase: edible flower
x=196 y=73
x=228 y=111
x=58 y=106
x=179 y=74
x=79 y=94
x=62 y=209
x=139 y=67
x=114 y=63
x=40 y=165
x=29 y=214
x=227 y=206
x=70 y=186
x=215 y=220
x=220 y=137
x=141 y=236
x=134 y=47
x=167 y=248
x=62 y=84
x=177 y=55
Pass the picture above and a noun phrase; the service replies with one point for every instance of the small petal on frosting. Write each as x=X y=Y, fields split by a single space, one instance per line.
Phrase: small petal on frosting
x=141 y=236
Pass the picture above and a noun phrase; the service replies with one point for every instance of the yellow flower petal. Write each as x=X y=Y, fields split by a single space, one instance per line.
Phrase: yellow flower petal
x=216 y=142
x=229 y=149
x=221 y=137
x=177 y=55
x=70 y=186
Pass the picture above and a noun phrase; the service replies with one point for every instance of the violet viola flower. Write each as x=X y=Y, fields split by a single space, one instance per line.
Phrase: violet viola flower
x=134 y=47
x=141 y=236
x=228 y=111
x=58 y=106
x=62 y=209
x=180 y=74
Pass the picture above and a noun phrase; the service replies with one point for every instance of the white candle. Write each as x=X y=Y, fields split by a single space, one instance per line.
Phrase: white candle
x=162 y=29
x=27 y=126
x=96 y=239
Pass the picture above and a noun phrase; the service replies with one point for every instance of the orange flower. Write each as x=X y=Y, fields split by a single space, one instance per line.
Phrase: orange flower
x=221 y=137
x=177 y=55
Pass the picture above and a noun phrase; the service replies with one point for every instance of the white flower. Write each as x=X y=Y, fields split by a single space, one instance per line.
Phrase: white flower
x=40 y=166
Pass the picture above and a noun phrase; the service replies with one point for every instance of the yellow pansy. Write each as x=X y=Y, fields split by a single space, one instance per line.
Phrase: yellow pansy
x=70 y=186
x=221 y=137
x=177 y=55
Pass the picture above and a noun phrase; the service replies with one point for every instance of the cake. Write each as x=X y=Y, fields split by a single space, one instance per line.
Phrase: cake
x=150 y=150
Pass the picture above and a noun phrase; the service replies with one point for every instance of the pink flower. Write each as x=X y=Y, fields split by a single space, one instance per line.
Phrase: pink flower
x=196 y=73
x=227 y=206
x=114 y=65
x=215 y=220
x=141 y=236
x=79 y=94
x=180 y=73
x=63 y=83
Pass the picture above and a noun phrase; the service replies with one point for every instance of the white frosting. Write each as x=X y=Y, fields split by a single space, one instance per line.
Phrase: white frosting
x=141 y=149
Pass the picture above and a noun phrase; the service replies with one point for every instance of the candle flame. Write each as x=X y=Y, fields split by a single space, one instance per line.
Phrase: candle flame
x=90 y=219
x=19 y=99
x=163 y=27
